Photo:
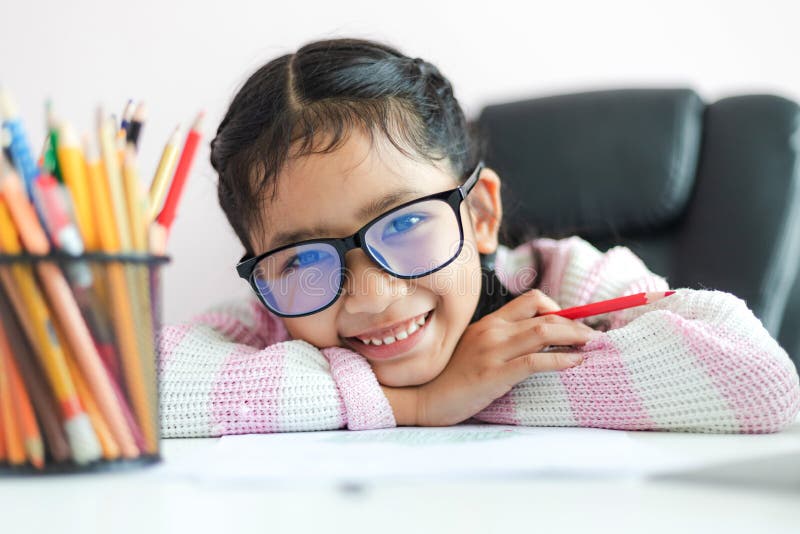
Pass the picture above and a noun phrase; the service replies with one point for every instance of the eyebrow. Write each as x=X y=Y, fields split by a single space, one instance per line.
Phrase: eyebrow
x=368 y=211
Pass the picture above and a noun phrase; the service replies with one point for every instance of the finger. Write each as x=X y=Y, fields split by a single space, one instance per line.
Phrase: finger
x=527 y=305
x=541 y=362
x=525 y=325
x=543 y=334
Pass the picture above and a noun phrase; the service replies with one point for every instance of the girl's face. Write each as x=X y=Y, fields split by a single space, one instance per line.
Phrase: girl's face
x=329 y=191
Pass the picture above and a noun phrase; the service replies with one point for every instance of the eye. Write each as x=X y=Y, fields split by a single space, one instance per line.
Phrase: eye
x=306 y=258
x=403 y=224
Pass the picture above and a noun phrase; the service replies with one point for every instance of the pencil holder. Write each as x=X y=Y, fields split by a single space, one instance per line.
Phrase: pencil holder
x=78 y=362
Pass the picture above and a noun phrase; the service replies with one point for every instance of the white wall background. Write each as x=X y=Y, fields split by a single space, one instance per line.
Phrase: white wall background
x=183 y=56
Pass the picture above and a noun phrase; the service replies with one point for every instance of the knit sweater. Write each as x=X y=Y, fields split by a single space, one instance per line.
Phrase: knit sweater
x=698 y=361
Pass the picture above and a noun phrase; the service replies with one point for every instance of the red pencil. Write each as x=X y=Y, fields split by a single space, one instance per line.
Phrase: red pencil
x=160 y=228
x=167 y=214
x=605 y=306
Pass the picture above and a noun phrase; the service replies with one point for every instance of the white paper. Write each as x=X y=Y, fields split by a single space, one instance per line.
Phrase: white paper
x=414 y=453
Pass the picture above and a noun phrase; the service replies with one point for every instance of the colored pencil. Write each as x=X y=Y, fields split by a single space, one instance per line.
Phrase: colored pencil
x=73 y=168
x=113 y=174
x=165 y=170
x=51 y=163
x=12 y=426
x=44 y=403
x=606 y=306
x=127 y=114
x=123 y=294
x=32 y=438
x=3 y=452
x=134 y=131
x=134 y=195
x=163 y=223
x=102 y=210
x=56 y=214
x=19 y=149
x=109 y=446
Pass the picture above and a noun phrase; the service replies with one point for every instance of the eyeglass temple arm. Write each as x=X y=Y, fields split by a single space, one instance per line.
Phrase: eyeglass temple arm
x=467 y=186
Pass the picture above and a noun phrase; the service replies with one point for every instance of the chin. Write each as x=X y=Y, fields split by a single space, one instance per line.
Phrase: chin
x=398 y=378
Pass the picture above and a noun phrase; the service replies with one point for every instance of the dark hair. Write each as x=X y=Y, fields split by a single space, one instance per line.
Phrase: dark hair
x=330 y=87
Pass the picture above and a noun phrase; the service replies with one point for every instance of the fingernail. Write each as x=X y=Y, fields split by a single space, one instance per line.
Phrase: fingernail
x=574 y=359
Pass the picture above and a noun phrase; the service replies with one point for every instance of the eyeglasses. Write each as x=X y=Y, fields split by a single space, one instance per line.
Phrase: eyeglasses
x=409 y=241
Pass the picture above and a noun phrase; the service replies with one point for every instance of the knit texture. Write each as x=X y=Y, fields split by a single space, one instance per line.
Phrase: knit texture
x=698 y=361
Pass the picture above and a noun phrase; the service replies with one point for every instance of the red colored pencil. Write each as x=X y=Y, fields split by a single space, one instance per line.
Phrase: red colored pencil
x=605 y=306
x=159 y=229
x=167 y=214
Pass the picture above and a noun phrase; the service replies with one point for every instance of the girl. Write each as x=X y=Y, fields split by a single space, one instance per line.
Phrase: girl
x=383 y=297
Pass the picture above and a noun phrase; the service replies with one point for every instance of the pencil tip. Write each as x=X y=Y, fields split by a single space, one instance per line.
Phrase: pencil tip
x=140 y=113
x=127 y=112
x=198 y=122
x=7 y=107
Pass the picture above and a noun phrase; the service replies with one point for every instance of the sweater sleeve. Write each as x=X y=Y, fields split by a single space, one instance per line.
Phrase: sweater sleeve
x=235 y=370
x=697 y=361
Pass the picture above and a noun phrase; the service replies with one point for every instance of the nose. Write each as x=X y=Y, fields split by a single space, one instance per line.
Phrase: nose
x=367 y=287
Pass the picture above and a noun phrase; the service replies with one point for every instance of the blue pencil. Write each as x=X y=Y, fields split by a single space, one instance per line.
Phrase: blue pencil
x=18 y=148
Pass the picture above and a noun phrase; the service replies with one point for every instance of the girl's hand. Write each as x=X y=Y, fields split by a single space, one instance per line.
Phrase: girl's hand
x=497 y=352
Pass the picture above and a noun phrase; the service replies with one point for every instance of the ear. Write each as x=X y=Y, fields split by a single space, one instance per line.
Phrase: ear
x=486 y=210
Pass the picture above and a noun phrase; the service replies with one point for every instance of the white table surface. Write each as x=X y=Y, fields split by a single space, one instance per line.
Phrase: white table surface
x=136 y=501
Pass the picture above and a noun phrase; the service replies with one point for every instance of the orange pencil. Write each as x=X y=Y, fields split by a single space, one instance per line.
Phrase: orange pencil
x=3 y=453
x=15 y=448
x=32 y=438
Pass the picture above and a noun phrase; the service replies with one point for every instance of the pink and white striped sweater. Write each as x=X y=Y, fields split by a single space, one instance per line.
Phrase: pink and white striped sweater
x=699 y=361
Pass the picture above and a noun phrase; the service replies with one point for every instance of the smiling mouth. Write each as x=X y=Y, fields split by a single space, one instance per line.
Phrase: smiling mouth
x=393 y=335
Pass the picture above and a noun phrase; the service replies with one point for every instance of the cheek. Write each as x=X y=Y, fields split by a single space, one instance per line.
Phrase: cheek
x=318 y=329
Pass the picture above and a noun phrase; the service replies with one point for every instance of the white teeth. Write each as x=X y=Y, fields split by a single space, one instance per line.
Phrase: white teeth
x=412 y=327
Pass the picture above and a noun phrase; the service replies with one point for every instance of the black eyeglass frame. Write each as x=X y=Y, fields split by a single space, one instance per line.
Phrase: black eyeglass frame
x=453 y=197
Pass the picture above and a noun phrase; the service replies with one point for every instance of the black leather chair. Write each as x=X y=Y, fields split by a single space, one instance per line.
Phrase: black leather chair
x=707 y=194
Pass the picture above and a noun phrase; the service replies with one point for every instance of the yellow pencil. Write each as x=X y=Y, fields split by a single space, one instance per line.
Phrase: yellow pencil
x=111 y=164
x=99 y=208
x=103 y=214
x=134 y=196
x=126 y=291
x=164 y=172
x=139 y=280
x=73 y=168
